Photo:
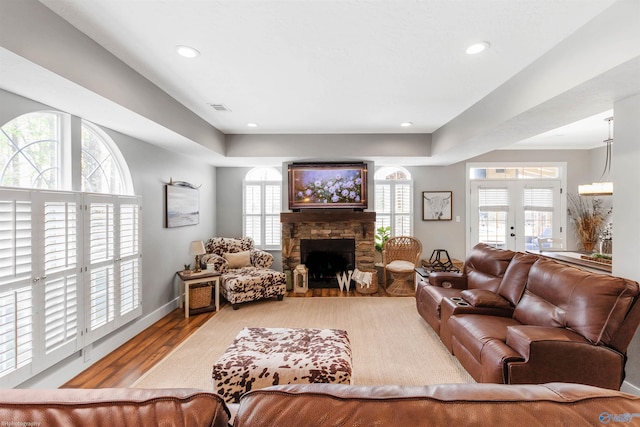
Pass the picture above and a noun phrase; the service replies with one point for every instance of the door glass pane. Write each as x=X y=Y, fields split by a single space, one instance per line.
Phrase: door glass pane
x=493 y=209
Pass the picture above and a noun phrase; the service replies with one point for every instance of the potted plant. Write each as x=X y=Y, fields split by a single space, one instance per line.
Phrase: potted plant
x=382 y=235
x=588 y=216
x=187 y=269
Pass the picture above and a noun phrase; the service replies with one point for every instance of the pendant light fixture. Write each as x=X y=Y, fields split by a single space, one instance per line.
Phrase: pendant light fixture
x=603 y=187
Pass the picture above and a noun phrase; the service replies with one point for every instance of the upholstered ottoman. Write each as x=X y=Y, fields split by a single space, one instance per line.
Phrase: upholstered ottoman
x=261 y=357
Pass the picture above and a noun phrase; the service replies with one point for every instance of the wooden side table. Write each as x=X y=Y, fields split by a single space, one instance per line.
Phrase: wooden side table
x=186 y=280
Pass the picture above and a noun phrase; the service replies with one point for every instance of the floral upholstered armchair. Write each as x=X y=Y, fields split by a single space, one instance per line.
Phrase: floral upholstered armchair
x=245 y=271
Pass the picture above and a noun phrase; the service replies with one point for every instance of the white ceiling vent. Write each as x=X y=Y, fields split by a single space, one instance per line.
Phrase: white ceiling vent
x=220 y=107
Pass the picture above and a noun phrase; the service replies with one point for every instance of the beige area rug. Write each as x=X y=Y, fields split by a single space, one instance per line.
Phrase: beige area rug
x=391 y=343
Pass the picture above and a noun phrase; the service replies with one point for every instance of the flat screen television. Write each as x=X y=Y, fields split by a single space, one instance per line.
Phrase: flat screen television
x=327 y=186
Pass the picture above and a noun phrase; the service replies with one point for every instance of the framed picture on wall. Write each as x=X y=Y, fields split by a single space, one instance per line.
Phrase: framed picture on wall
x=182 y=206
x=437 y=205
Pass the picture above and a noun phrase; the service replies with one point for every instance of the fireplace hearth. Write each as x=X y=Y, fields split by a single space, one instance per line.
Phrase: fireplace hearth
x=325 y=258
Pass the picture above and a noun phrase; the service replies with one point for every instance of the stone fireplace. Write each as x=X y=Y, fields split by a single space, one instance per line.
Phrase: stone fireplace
x=356 y=228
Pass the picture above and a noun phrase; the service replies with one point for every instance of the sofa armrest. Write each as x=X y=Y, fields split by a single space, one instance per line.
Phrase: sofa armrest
x=484 y=298
x=260 y=258
x=448 y=279
x=456 y=305
x=220 y=265
x=561 y=355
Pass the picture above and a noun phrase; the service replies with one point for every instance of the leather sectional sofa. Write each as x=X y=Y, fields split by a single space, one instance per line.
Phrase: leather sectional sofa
x=519 y=318
x=324 y=405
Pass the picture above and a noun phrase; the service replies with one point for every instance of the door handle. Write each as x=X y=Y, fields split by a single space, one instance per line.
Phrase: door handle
x=513 y=235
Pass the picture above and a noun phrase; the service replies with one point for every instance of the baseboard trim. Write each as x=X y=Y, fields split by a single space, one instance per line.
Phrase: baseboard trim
x=67 y=369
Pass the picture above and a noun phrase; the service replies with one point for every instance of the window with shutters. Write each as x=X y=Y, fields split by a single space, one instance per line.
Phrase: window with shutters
x=394 y=201
x=262 y=188
x=69 y=261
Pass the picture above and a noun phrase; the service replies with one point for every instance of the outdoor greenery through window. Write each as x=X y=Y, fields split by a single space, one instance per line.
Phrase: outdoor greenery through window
x=30 y=151
x=101 y=172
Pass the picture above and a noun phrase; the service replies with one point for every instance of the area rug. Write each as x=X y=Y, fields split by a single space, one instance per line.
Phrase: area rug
x=391 y=343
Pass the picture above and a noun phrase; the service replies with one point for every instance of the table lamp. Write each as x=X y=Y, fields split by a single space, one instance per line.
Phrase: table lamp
x=197 y=248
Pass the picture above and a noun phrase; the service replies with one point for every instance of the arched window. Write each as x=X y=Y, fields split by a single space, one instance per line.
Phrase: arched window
x=103 y=168
x=261 y=204
x=30 y=151
x=35 y=152
x=394 y=207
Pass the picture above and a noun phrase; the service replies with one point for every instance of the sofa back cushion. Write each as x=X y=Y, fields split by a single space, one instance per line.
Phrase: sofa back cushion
x=435 y=405
x=223 y=245
x=485 y=266
x=122 y=407
x=593 y=305
x=515 y=278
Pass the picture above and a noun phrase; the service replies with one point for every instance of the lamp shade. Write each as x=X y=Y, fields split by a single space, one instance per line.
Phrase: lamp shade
x=197 y=248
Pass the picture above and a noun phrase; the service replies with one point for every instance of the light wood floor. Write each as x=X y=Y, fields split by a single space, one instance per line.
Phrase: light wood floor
x=123 y=366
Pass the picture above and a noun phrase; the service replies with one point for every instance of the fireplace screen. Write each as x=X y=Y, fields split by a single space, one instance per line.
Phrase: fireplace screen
x=325 y=258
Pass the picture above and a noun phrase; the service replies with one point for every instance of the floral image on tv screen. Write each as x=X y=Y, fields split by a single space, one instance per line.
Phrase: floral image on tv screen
x=327 y=185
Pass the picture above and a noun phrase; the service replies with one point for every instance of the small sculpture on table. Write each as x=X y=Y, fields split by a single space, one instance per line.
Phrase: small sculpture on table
x=440 y=261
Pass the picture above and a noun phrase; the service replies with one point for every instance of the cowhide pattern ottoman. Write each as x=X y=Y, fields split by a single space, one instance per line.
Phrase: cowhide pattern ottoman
x=261 y=357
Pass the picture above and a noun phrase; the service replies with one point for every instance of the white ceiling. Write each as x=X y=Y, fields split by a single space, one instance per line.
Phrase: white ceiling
x=343 y=67
x=329 y=66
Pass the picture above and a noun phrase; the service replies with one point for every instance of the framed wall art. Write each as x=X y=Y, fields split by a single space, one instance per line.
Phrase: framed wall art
x=182 y=206
x=437 y=205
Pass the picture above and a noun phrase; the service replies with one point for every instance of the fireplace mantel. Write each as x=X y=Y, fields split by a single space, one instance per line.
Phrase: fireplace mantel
x=327 y=216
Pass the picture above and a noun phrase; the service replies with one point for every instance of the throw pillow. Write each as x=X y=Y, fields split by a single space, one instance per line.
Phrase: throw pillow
x=238 y=259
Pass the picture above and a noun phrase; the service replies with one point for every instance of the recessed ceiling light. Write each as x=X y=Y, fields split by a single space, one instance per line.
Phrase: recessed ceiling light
x=477 y=48
x=252 y=125
x=406 y=124
x=187 y=51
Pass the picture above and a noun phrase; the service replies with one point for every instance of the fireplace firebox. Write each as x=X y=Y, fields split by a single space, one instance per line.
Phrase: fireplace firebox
x=325 y=258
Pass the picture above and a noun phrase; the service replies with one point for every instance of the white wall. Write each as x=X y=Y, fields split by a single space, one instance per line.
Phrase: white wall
x=626 y=206
x=164 y=250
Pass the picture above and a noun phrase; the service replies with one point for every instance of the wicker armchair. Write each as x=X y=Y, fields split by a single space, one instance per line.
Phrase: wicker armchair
x=400 y=256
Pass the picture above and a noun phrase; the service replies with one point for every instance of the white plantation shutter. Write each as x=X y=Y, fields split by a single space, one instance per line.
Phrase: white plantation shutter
x=58 y=282
x=129 y=261
x=16 y=287
x=403 y=209
x=101 y=260
x=394 y=206
x=253 y=212
x=113 y=273
x=272 y=205
x=262 y=201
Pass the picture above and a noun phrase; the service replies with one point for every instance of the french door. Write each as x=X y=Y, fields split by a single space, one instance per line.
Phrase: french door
x=516 y=214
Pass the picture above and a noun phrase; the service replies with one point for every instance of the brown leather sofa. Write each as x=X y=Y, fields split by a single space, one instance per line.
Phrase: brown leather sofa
x=121 y=407
x=519 y=318
x=325 y=405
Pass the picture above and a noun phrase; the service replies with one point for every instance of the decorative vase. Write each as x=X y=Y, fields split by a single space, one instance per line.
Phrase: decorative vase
x=589 y=246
